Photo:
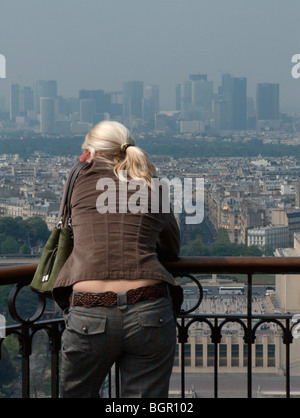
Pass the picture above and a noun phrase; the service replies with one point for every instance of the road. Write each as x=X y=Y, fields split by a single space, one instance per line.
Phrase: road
x=214 y=290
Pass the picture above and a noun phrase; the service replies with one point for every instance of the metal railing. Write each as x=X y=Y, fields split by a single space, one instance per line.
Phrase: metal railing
x=26 y=328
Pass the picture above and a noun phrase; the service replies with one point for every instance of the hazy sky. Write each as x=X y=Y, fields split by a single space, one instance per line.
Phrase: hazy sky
x=99 y=44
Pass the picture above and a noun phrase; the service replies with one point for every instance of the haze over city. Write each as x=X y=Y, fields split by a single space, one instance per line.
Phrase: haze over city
x=101 y=44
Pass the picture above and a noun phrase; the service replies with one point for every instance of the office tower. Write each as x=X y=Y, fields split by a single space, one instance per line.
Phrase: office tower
x=70 y=106
x=195 y=77
x=102 y=99
x=226 y=87
x=150 y=103
x=202 y=93
x=44 y=89
x=267 y=101
x=186 y=95
x=178 y=97
x=133 y=92
x=116 y=104
x=221 y=115
x=239 y=103
x=194 y=97
x=14 y=101
x=87 y=110
x=27 y=99
x=47 y=111
x=222 y=105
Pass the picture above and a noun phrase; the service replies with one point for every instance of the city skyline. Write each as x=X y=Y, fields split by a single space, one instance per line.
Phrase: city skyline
x=139 y=104
x=96 y=45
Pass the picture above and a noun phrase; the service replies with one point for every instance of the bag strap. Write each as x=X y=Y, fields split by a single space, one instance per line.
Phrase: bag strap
x=65 y=207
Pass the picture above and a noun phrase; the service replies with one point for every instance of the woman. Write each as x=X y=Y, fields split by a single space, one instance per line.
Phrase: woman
x=113 y=286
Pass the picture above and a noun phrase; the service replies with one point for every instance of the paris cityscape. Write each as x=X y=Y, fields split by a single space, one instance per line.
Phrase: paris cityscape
x=217 y=108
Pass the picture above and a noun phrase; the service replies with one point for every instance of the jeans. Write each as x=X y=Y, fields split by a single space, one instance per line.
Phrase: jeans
x=141 y=337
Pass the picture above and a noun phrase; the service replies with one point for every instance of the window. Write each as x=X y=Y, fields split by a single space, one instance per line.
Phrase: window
x=210 y=354
x=245 y=360
x=271 y=355
x=259 y=354
x=223 y=355
x=187 y=354
x=199 y=355
x=235 y=355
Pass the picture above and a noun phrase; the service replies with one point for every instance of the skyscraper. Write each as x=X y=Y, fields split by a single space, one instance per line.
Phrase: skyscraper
x=47 y=110
x=221 y=114
x=27 y=99
x=267 y=101
x=133 y=92
x=239 y=103
x=150 y=103
x=202 y=94
x=178 y=96
x=14 y=101
x=198 y=77
x=102 y=99
x=87 y=110
x=44 y=88
x=226 y=87
x=186 y=96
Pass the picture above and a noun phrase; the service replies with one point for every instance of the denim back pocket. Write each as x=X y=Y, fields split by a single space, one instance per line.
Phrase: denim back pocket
x=158 y=327
x=84 y=330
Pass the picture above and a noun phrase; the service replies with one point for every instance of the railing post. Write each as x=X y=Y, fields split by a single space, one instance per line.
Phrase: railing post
x=249 y=335
x=25 y=351
x=216 y=339
x=182 y=339
x=216 y=342
x=288 y=339
x=55 y=344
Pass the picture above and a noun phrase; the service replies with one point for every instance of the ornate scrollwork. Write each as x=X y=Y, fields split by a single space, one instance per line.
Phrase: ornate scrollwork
x=13 y=309
x=200 y=289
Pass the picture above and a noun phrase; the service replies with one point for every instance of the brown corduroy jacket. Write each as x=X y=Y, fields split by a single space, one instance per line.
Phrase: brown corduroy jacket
x=116 y=244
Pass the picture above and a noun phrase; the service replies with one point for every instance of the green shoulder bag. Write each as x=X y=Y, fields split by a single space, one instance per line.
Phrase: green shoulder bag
x=60 y=243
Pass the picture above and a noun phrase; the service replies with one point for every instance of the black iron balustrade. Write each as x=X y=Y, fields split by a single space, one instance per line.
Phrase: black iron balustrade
x=26 y=328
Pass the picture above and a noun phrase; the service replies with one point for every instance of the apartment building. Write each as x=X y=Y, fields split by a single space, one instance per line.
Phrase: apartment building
x=270 y=237
x=268 y=354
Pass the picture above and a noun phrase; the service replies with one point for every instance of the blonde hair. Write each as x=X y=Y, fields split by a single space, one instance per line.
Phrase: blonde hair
x=107 y=137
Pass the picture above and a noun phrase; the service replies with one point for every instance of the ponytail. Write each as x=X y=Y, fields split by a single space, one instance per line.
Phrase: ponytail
x=112 y=139
x=137 y=164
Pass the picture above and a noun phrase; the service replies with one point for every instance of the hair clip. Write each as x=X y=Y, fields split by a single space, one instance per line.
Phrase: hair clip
x=125 y=146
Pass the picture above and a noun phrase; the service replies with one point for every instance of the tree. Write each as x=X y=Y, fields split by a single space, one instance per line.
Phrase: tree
x=9 y=246
x=222 y=237
x=221 y=247
x=37 y=230
x=195 y=248
x=7 y=370
x=25 y=249
x=12 y=227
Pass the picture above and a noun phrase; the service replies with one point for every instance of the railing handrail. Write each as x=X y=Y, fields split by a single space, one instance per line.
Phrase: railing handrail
x=244 y=265
x=22 y=274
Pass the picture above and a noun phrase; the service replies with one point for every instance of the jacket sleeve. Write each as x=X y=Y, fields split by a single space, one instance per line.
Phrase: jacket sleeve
x=168 y=245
